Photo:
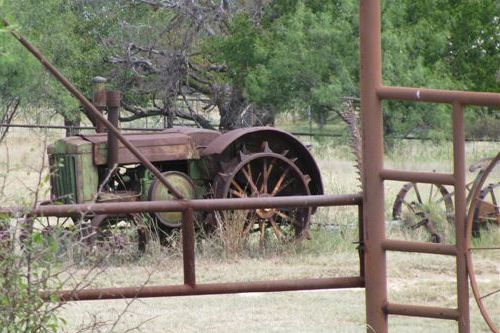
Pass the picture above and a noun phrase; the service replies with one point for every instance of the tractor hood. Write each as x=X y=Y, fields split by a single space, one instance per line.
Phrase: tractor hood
x=154 y=146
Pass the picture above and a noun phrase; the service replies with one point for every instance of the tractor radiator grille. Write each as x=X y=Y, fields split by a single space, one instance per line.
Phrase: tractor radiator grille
x=63 y=178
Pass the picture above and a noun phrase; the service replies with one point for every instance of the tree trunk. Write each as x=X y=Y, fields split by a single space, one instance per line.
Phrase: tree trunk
x=236 y=112
x=231 y=103
x=71 y=123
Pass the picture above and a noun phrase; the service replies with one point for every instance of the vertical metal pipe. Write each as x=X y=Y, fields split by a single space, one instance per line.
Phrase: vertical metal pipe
x=113 y=100
x=99 y=101
x=460 y=218
x=361 y=246
x=188 y=244
x=373 y=154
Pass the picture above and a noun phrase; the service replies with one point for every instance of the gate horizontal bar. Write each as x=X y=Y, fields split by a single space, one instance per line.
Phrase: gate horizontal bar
x=209 y=289
x=419 y=247
x=439 y=96
x=118 y=208
x=421 y=311
x=418 y=177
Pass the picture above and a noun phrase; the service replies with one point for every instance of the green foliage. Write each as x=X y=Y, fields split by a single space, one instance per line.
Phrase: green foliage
x=304 y=56
x=56 y=29
x=302 y=59
x=24 y=275
x=298 y=56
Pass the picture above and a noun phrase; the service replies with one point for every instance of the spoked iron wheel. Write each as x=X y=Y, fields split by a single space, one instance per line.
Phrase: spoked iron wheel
x=60 y=229
x=483 y=236
x=117 y=234
x=428 y=206
x=266 y=174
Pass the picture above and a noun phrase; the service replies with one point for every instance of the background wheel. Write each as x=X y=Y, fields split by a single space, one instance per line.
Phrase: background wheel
x=483 y=236
x=427 y=206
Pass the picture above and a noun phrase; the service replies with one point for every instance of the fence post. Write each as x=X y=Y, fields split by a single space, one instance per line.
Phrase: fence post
x=460 y=218
x=188 y=244
x=373 y=155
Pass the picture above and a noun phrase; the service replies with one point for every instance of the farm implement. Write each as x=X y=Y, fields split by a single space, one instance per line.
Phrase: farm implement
x=430 y=206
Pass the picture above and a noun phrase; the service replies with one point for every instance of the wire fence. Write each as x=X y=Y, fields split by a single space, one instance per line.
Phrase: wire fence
x=311 y=134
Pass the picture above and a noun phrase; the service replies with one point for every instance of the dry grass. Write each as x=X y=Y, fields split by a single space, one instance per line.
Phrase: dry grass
x=415 y=278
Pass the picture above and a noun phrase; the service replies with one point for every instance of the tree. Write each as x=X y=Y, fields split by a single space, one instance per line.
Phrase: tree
x=299 y=56
x=56 y=30
x=251 y=59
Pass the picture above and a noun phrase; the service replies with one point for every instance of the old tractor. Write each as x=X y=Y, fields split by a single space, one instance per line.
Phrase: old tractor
x=199 y=163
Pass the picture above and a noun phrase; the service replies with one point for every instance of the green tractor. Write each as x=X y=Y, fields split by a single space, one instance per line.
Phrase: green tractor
x=249 y=162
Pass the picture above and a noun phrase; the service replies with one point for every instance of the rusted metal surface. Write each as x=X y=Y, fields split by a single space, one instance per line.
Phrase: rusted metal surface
x=154 y=146
x=113 y=101
x=431 y=205
x=422 y=311
x=418 y=177
x=99 y=100
x=158 y=192
x=438 y=96
x=372 y=92
x=116 y=208
x=481 y=294
x=188 y=244
x=459 y=168
x=211 y=289
x=419 y=247
x=201 y=137
x=417 y=205
x=267 y=174
x=278 y=141
x=190 y=287
x=373 y=152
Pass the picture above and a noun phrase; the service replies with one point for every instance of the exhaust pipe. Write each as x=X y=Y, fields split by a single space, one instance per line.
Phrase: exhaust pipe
x=113 y=101
x=99 y=101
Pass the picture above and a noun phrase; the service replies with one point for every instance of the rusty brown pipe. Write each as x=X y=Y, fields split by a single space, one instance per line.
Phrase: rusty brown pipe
x=182 y=205
x=113 y=102
x=207 y=289
x=87 y=104
x=99 y=101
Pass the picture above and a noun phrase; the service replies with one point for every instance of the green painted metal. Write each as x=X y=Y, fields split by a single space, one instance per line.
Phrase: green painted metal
x=64 y=179
x=158 y=191
x=74 y=174
x=88 y=175
x=146 y=182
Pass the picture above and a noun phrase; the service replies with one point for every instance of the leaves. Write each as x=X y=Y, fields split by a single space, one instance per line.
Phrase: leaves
x=290 y=55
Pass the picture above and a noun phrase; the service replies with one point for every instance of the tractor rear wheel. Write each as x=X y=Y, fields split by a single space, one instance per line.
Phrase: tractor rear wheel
x=260 y=175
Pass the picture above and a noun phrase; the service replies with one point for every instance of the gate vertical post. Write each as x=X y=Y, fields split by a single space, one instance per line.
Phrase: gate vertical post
x=188 y=245
x=460 y=218
x=373 y=154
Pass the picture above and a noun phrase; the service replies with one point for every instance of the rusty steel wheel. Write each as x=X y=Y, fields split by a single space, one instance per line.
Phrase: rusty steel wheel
x=58 y=229
x=266 y=174
x=117 y=234
x=429 y=206
x=483 y=237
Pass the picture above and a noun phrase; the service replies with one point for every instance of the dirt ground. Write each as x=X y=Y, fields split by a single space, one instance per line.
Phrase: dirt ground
x=415 y=279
